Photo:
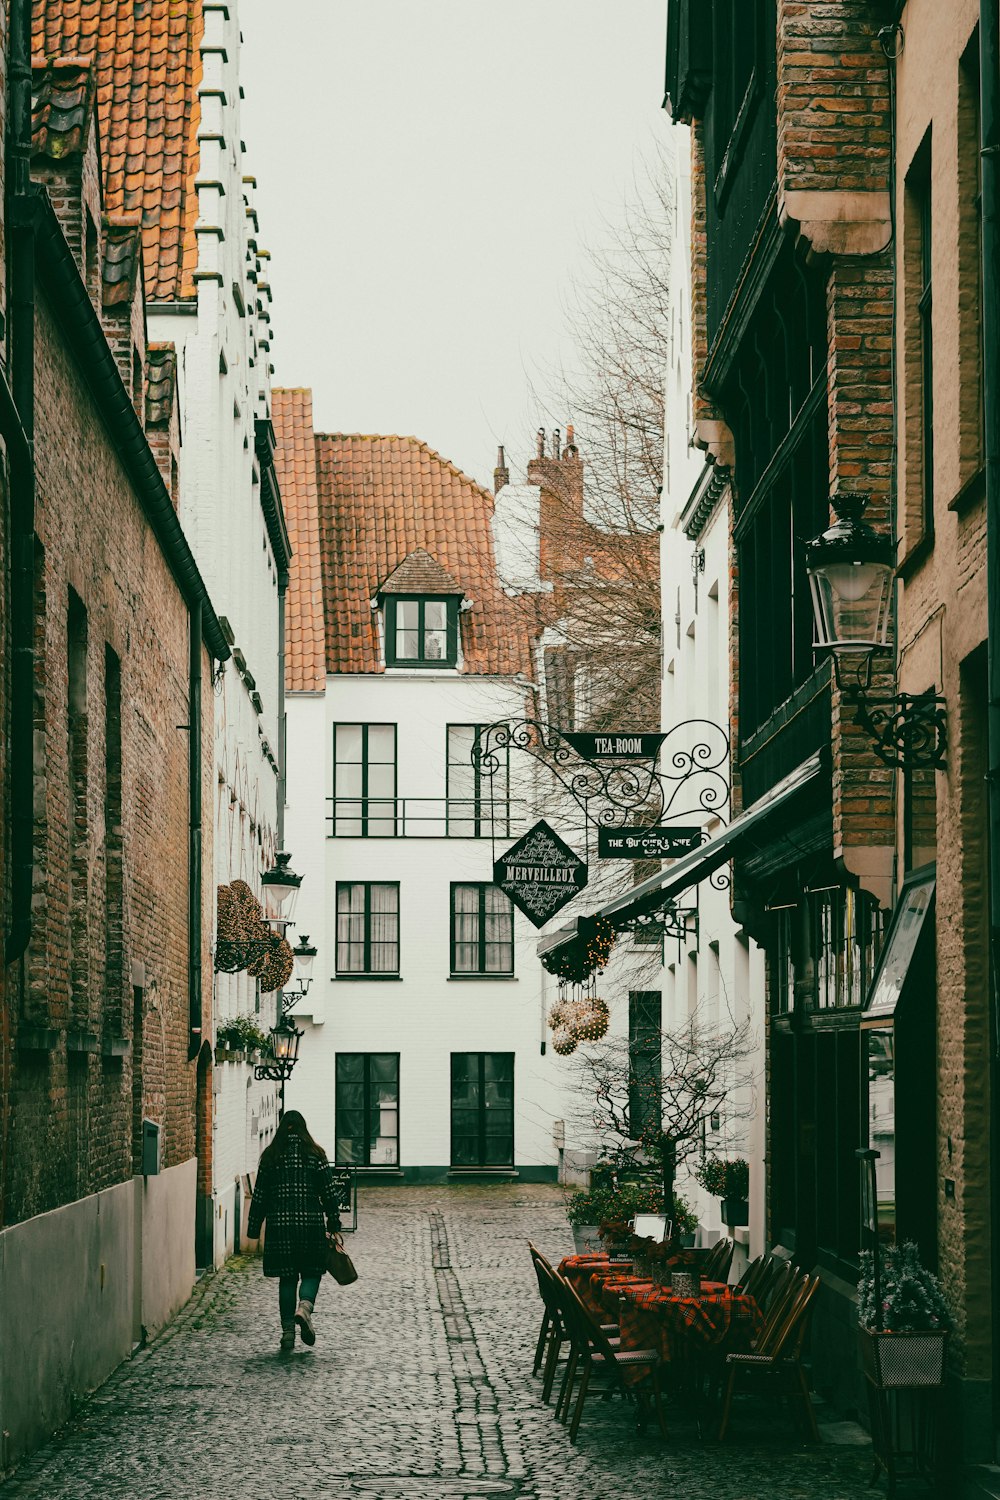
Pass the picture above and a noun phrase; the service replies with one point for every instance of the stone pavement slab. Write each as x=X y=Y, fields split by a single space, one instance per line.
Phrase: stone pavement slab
x=419 y=1386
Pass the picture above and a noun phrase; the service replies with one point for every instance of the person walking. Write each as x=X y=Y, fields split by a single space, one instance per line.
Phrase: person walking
x=295 y=1190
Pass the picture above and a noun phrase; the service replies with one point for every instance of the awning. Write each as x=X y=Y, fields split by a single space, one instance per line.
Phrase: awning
x=699 y=864
x=898 y=950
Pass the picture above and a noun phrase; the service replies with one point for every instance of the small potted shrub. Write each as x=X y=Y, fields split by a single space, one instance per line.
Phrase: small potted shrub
x=606 y=1204
x=730 y=1181
x=239 y=1034
x=903 y=1337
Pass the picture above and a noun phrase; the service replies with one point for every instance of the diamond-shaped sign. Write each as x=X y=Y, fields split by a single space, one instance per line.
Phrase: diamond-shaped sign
x=540 y=873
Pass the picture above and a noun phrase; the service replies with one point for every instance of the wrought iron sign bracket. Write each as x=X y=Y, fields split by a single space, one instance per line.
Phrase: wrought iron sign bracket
x=692 y=777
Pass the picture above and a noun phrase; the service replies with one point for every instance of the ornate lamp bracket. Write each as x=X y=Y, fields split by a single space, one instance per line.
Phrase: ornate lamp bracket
x=909 y=731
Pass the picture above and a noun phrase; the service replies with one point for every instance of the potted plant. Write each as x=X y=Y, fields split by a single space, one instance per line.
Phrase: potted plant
x=608 y=1204
x=730 y=1181
x=238 y=1034
x=904 y=1326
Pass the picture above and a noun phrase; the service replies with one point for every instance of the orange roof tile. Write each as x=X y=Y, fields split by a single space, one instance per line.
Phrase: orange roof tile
x=148 y=66
x=380 y=503
x=295 y=461
x=419 y=573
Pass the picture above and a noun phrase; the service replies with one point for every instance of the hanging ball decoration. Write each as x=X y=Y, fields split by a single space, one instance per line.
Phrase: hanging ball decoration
x=558 y=1014
x=564 y=1041
x=594 y=1021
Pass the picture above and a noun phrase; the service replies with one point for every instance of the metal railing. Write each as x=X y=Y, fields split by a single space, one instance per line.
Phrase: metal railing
x=424 y=817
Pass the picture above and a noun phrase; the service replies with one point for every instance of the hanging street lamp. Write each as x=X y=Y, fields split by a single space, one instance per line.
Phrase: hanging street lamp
x=304 y=954
x=851 y=568
x=284 y=1054
x=281 y=891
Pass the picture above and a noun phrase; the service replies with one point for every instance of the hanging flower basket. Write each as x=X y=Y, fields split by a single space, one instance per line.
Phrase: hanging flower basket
x=894 y=1360
x=277 y=970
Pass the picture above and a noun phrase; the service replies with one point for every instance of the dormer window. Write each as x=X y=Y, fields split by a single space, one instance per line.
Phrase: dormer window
x=421 y=602
x=421 y=631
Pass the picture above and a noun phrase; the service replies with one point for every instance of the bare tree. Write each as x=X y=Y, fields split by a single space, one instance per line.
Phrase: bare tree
x=650 y=1106
x=602 y=559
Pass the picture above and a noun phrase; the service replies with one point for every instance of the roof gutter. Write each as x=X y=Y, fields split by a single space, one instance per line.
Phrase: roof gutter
x=82 y=328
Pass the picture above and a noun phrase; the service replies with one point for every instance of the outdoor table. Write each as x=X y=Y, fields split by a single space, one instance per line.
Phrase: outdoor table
x=652 y=1318
x=588 y=1274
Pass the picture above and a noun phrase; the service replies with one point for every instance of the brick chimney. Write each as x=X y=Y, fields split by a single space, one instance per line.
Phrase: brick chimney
x=501 y=474
x=559 y=476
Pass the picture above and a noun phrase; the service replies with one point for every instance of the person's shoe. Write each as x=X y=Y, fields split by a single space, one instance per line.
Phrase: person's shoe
x=303 y=1317
x=287 y=1336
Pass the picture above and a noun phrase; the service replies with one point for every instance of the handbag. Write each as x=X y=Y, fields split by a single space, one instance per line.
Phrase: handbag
x=338 y=1263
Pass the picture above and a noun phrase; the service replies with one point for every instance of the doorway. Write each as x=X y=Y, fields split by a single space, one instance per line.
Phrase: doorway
x=482 y=1109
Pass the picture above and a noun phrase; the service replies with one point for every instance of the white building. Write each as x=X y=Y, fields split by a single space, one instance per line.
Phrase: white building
x=218 y=320
x=422 y=1052
x=720 y=970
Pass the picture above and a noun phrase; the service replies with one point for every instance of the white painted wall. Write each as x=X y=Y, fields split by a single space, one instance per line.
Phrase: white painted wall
x=77 y=1287
x=723 y=973
x=424 y=1015
x=224 y=385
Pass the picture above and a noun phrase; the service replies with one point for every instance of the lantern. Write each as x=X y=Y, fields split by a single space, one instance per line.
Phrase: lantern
x=850 y=568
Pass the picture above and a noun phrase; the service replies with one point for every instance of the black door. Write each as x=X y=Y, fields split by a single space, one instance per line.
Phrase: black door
x=482 y=1109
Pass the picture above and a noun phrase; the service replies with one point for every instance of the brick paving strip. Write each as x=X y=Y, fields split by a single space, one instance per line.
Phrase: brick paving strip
x=418 y=1386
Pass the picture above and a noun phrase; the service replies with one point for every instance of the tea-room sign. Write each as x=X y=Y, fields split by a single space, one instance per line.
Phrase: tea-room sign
x=615 y=745
x=540 y=873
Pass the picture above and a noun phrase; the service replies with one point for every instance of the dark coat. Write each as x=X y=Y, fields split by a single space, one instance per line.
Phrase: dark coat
x=293 y=1192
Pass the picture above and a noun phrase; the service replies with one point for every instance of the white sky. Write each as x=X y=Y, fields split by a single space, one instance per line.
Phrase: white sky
x=429 y=173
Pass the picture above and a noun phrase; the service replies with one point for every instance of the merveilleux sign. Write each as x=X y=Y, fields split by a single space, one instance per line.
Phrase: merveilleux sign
x=615 y=745
x=647 y=843
x=540 y=873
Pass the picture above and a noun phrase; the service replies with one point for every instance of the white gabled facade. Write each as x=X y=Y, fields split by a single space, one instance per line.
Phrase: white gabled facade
x=419 y=1058
x=719 y=970
x=231 y=512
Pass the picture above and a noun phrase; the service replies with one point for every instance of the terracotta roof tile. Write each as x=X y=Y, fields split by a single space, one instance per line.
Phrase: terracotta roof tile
x=62 y=105
x=419 y=573
x=161 y=382
x=295 y=461
x=371 y=511
x=148 y=68
x=122 y=258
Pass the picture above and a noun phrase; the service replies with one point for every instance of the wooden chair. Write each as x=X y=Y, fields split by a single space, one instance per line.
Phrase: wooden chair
x=593 y=1352
x=779 y=1273
x=554 y=1334
x=718 y=1261
x=778 y=1353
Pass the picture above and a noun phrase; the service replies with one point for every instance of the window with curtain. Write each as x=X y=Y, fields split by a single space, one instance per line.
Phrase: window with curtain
x=482 y=930
x=367 y=928
x=421 y=632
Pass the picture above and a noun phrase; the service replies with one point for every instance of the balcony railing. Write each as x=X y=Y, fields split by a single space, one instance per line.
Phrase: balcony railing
x=424 y=818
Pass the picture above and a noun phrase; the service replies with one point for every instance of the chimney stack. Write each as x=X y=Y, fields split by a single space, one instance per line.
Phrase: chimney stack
x=540 y=453
x=501 y=474
x=570 y=450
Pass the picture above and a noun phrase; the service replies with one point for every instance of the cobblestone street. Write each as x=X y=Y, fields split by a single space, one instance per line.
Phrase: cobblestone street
x=418 y=1386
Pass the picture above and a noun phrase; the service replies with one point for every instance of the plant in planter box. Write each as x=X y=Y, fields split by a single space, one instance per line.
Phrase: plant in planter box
x=607 y=1204
x=241 y=1034
x=730 y=1181
x=903 y=1331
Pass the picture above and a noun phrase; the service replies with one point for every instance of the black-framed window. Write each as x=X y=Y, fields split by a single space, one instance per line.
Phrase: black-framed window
x=482 y=1109
x=421 y=631
x=478 y=804
x=645 y=1049
x=367 y=1104
x=482 y=930
x=847 y=928
x=919 y=343
x=364 y=780
x=367 y=927
x=738 y=32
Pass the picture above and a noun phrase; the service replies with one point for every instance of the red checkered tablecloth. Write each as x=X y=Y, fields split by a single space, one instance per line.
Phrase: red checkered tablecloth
x=589 y=1275
x=653 y=1319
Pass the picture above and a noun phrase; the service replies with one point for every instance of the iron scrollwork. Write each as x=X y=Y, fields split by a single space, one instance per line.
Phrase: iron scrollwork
x=908 y=731
x=691 y=778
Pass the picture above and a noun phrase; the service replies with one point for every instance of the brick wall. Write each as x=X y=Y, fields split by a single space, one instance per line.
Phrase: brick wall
x=108 y=895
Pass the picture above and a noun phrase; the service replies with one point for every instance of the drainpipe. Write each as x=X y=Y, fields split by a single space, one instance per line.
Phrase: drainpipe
x=17 y=428
x=282 y=735
x=194 y=832
x=989 y=106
